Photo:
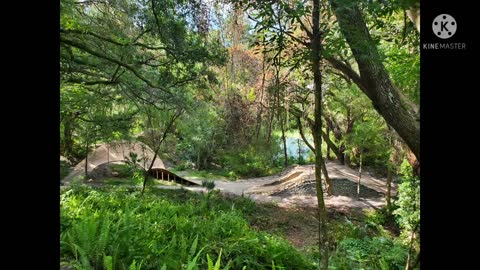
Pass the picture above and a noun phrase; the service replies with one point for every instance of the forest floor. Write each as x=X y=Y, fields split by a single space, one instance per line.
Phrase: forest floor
x=287 y=202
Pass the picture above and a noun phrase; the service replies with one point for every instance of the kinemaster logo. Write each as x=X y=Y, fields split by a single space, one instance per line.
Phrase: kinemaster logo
x=444 y=26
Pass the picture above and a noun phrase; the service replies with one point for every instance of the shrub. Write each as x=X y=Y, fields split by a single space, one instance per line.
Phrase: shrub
x=208 y=184
x=369 y=253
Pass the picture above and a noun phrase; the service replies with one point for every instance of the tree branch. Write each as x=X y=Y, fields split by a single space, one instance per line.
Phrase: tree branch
x=347 y=71
x=108 y=58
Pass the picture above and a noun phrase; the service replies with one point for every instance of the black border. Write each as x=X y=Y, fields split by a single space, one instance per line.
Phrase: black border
x=447 y=99
x=31 y=165
x=32 y=122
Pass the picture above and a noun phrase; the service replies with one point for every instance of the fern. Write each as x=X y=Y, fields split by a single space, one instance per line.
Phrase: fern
x=193 y=248
x=217 y=264
x=108 y=263
x=135 y=266
x=192 y=265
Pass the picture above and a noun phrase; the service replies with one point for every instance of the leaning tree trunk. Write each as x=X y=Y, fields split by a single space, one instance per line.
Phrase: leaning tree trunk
x=317 y=136
x=328 y=181
x=330 y=145
x=374 y=79
x=172 y=120
x=324 y=168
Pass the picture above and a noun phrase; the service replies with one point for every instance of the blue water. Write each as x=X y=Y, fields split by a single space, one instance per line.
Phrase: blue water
x=293 y=145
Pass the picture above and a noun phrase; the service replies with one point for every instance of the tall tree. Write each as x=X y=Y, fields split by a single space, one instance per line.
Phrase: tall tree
x=373 y=79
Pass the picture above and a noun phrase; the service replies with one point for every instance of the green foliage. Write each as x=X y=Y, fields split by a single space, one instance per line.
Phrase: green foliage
x=254 y=160
x=369 y=253
x=122 y=170
x=208 y=184
x=408 y=212
x=217 y=263
x=347 y=229
x=138 y=177
x=165 y=228
x=368 y=139
x=381 y=217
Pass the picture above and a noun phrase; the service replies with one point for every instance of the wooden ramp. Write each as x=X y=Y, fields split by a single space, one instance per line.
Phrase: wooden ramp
x=166 y=175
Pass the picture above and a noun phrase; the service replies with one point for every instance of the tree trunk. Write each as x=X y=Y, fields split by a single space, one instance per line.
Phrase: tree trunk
x=337 y=133
x=317 y=136
x=299 y=146
x=67 y=137
x=198 y=161
x=416 y=261
x=328 y=182
x=413 y=161
x=409 y=265
x=328 y=146
x=269 y=125
x=359 y=177
x=341 y=151
x=160 y=141
x=324 y=167
x=347 y=159
x=374 y=79
x=284 y=139
x=205 y=159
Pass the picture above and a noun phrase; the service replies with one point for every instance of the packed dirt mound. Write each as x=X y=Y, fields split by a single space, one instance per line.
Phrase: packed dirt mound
x=340 y=187
x=115 y=152
x=296 y=188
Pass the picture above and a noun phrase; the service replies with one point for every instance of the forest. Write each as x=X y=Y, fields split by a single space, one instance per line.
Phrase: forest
x=239 y=134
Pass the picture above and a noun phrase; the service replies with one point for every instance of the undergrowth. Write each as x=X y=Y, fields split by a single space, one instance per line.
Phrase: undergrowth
x=120 y=229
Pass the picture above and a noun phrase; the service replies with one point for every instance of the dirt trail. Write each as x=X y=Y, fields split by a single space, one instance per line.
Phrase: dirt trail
x=270 y=188
x=262 y=189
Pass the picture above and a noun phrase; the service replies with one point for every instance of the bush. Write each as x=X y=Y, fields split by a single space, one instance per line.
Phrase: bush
x=408 y=211
x=369 y=253
x=382 y=217
x=253 y=161
x=208 y=184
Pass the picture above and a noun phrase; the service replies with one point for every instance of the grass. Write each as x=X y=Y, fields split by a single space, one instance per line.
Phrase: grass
x=207 y=175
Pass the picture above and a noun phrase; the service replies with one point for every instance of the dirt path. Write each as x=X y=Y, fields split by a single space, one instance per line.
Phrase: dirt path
x=262 y=189
x=270 y=189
